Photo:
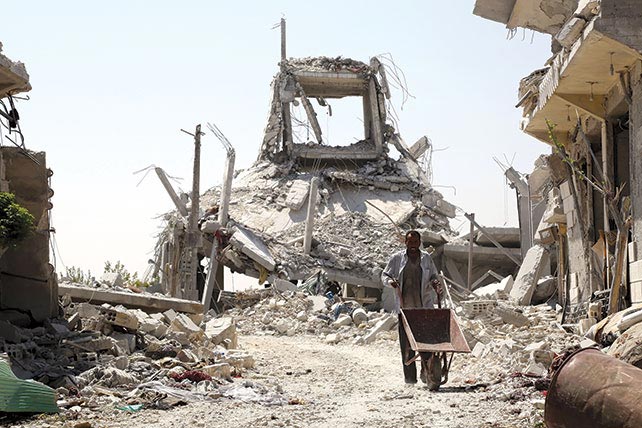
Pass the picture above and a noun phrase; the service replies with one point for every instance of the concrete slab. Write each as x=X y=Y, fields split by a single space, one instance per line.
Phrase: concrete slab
x=529 y=273
x=146 y=302
x=253 y=247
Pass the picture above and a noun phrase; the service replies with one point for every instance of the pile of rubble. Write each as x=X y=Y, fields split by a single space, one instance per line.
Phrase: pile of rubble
x=106 y=355
x=330 y=319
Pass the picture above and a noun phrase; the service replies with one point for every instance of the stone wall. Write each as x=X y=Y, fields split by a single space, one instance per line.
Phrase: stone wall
x=27 y=280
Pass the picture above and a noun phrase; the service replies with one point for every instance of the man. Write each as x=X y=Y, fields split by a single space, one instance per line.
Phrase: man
x=413 y=275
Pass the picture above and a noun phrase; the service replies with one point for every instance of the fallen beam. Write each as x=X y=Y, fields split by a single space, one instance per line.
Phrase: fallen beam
x=146 y=302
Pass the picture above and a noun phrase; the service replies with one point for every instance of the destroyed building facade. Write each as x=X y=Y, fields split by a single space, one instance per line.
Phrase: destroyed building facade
x=587 y=104
x=27 y=280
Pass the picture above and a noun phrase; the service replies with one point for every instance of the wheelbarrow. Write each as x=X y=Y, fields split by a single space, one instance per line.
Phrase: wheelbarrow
x=435 y=336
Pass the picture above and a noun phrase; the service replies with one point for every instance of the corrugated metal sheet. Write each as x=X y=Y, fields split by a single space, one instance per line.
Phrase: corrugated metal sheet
x=17 y=395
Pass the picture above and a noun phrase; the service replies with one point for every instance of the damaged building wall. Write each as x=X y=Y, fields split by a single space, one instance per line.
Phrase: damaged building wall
x=27 y=280
x=586 y=102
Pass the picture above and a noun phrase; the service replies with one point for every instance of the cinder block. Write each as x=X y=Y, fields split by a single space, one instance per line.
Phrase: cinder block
x=119 y=318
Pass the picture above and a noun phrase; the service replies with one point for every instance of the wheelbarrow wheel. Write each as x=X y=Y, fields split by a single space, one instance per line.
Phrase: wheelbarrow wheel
x=431 y=369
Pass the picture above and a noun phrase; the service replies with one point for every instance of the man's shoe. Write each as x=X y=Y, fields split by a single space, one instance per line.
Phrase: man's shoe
x=411 y=381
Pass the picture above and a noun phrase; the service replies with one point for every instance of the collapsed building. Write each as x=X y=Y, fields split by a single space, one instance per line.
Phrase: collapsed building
x=582 y=202
x=305 y=206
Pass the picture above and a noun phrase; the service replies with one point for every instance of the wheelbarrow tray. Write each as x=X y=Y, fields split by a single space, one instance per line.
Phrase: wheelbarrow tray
x=433 y=330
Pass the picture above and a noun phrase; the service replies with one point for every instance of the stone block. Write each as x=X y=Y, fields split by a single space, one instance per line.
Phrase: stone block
x=218 y=370
x=87 y=310
x=183 y=324
x=222 y=331
x=384 y=324
x=529 y=273
x=478 y=350
x=169 y=315
x=125 y=341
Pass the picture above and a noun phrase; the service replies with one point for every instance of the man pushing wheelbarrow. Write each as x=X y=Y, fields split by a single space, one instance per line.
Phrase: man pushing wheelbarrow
x=424 y=332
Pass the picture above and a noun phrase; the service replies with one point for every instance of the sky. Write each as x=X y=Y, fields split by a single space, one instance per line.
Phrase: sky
x=114 y=82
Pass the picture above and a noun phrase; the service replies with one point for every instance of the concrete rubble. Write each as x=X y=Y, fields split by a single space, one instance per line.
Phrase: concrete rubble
x=96 y=354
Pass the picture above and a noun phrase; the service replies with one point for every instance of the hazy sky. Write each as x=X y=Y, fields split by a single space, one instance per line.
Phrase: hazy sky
x=113 y=82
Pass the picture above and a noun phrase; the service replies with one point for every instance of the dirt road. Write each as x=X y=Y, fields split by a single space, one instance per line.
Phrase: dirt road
x=331 y=386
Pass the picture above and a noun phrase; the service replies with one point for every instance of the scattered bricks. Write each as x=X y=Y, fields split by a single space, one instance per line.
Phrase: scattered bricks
x=222 y=330
x=125 y=341
x=473 y=308
x=219 y=370
x=120 y=318
x=511 y=316
x=384 y=324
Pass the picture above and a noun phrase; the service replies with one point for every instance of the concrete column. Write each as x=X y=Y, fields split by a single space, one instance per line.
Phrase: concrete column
x=309 y=221
x=635 y=160
x=226 y=190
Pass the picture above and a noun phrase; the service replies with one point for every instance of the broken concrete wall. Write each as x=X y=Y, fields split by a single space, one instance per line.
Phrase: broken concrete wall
x=621 y=20
x=27 y=280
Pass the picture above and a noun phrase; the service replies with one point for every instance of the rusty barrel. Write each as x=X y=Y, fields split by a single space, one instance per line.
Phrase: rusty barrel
x=592 y=389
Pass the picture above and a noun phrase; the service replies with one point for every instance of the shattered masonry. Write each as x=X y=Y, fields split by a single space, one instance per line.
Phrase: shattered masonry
x=364 y=197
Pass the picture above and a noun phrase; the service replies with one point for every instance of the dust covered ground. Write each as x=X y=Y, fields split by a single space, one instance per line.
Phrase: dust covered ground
x=320 y=384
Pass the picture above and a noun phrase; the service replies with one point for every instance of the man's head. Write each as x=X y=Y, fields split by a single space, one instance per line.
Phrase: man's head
x=413 y=241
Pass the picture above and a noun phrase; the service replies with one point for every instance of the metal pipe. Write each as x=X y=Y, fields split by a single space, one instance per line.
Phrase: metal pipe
x=592 y=389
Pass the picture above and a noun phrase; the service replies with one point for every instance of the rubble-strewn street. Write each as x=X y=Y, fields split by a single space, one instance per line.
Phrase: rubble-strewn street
x=301 y=361
x=368 y=305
